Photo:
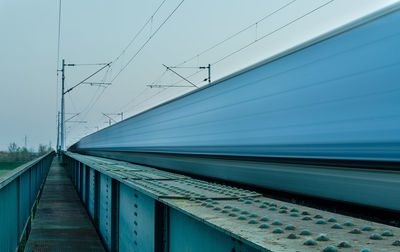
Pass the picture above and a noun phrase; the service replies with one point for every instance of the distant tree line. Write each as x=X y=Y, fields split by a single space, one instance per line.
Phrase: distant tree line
x=16 y=153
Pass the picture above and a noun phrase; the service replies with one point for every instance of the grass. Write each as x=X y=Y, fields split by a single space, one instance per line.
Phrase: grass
x=5 y=167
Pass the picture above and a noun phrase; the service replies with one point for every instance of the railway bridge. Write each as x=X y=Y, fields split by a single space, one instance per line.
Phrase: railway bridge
x=206 y=171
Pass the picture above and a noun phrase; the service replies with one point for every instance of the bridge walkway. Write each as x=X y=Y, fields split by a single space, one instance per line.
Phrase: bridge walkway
x=61 y=222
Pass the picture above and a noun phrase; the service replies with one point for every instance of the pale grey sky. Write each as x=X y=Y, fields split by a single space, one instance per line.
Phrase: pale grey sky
x=97 y=31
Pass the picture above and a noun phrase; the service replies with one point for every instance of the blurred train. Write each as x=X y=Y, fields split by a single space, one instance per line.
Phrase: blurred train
x=321 y=119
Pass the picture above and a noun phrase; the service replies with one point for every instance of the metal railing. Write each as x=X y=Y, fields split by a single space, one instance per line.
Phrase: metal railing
x=19 y=192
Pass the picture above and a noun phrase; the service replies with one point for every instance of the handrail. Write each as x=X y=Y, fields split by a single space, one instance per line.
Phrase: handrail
x=9 y=177
x=19 y=193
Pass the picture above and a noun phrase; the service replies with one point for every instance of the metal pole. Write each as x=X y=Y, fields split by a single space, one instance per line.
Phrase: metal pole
x=58 y=133
x=209 y=73
x=62 y=105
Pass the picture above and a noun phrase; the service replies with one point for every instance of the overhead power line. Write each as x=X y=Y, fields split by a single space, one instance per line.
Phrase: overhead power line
x=148 y=40
x=140 y=31
x=242 y=48
x=255 y=24
x=237 y=33
x=272 y=32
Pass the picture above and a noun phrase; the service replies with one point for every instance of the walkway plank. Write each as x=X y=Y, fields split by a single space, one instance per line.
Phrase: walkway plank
x=61 y=222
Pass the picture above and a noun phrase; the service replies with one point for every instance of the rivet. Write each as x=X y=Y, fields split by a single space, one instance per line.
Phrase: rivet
x=318 y=216
x=272 y=204
x=192 y=199
x=284 y=207
x=306 y=218
x=365 y=250
x=330 y=249
x=248 y=202
x=236 y=209
x=240 y=199
x=272 y=208
x=344 y=244
x=264 y=225
x=224 y=211
x=396 y=243
x=376 y=237
x=252 y=221
x=348 y=224
x=204 y=204
x=320 y=221
x=332 y=219
x=283 y=211
x=387 y=233
x=290 y=227
x=294 y=215
x=294 y=210
x=245 y=212
x=233 y=214
x=337 y=226
x=209 y=200
x=277 y=231
x=215 y=202
x=366 y=228
x=264 y=218
x=228 y=206
x=253 y=215
x=293 y=236
x=257 y=200
x=242 y=217
x=305 y=232
x=263 y=206
x=322 y=237
x=305 y=213
x=217 y=208
x=310 y=242
x=266 y=202
x=355 y=231
x=276 y=223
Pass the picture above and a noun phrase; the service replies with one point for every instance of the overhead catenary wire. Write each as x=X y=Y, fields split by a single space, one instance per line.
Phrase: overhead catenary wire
x=227 y=39
x=237 y=33
x=272 y=32
x=150 y=19
x=94 y=100
x=147 y=41
x=249 y=44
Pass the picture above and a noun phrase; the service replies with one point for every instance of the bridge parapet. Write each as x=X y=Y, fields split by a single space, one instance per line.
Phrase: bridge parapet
x=19 y=192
